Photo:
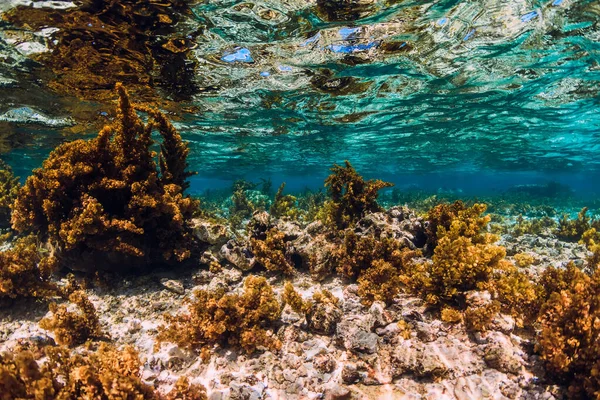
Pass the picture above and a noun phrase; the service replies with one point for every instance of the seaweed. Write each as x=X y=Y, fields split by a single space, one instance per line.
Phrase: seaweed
x=271 y=252
x=25 y=272
x=101 y=372
x=568 y=339
x=573 y=229
x=284 y=205
x=232 y=319
x=9 y=188
x=351 y=197
x=73 y=328
x=380 y=282
x=104 y=203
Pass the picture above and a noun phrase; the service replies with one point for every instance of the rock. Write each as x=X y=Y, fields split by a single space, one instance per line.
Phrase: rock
x=322 y=318
x=338 y=392
x=500 y=354
x=238 y=255
x=350 y=374
x=381 y=317
x=173 y=285
x=211 y=233
x=356 y=337
x=243 y=391
x=324 y=363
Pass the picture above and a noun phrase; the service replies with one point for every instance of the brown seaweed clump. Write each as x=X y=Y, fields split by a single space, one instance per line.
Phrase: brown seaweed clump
x=351 y=197
x=9 y=187
x=24 y=272
x=73 y=328
x=106 y=373
x=569 y=338
x=442 y=216
x=103 y=42
x=284 y=205
x=573 y=229
x=227 y=319
x=105 y=204
x=271 y=253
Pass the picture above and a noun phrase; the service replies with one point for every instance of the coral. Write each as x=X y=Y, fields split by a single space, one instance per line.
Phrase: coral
x=73 y=328
x=351 y=197
x=380 y=282
x=271 y=252
x=284 y=205
x=24 y=272
x=104 y=203
x=568 y=339
x=98 y=373
x=9 y=187
x=234 y=319
x=103 y=42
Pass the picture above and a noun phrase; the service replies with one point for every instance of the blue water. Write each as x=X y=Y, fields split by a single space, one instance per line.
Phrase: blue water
x=467 y=96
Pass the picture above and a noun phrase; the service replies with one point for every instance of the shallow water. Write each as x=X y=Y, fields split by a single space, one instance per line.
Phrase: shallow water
x=462 y=97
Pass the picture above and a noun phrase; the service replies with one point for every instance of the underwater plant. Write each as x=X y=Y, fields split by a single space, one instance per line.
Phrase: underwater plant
x=101 y=372
x=568 y=339
x=573 y=229
x=9 y=187
x=444 y=214
x=380 y=282
x=351 y=197
x=284 y=205
x=73 y=328
x=104 y=203
x=227 y=319
x=25 y=272
x=271 y=252
x=322 y=312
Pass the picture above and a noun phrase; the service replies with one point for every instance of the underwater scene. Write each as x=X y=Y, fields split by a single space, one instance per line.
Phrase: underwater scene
x=284 y=199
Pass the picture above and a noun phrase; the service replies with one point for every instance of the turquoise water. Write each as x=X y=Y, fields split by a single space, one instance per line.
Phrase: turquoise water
x=467 y=97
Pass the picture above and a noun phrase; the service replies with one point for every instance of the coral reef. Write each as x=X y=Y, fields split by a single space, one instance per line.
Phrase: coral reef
x=350 y=196
x=568 y=340
x=24 y=272
x=227 y=319
x=73 y=328
x=104 y=203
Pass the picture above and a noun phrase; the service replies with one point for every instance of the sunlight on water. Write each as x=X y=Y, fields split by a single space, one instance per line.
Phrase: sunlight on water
x=447 y=90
